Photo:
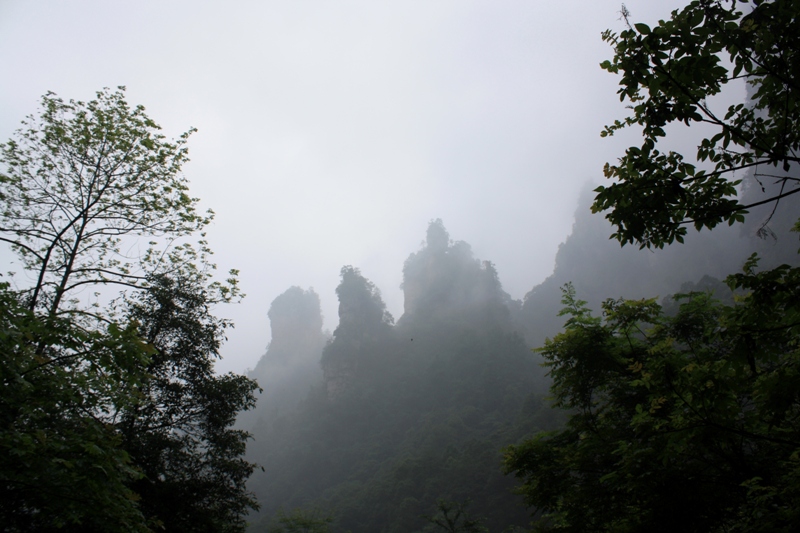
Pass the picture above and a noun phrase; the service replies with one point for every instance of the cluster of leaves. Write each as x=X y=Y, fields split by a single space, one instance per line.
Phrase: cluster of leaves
x=685 y=422
x=669 y=73
x=79 y=178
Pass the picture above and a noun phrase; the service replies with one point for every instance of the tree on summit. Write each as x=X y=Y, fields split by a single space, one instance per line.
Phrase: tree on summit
x=360 y=302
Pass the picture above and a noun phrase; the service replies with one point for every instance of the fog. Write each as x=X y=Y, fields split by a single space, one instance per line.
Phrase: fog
x=331 y=133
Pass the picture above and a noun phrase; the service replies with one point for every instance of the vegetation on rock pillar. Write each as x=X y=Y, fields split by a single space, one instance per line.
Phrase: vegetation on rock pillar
x=364 y=324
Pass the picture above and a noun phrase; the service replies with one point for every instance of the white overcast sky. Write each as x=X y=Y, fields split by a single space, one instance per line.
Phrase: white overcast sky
x=331 y=132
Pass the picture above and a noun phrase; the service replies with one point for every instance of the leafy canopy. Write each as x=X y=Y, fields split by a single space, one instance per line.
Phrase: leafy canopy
x=61 y=462
x=178 y=431
x=689 y=421
x=112 y=418
x=669 y=75
x=81 y=181
x=679 y=423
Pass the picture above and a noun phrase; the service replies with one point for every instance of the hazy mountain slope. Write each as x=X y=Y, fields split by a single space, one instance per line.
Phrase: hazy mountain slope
x=393 y=417
x=290 y=366
x=600 y=268
x=409 y=413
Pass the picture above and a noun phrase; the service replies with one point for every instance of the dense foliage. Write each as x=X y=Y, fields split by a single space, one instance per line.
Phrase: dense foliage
x=685 y=420
x=696 y=412
x=669 y=74
x=61 y=462
x=178 y=431
x=112 y=419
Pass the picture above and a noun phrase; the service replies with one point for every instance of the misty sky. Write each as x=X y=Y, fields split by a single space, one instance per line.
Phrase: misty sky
x=331 y=132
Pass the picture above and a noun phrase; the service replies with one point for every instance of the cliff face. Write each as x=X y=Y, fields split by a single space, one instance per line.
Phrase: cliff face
x=364 y=324
x=296 y=326
x=445 y=288
x=290 y=365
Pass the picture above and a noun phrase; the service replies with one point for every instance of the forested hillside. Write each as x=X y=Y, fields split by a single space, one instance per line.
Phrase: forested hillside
x=406 y=414
x=389 y=417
